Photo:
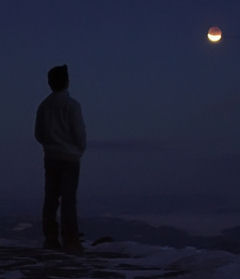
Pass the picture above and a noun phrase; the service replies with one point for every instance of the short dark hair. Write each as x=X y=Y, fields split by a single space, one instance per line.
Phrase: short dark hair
x=58 y=78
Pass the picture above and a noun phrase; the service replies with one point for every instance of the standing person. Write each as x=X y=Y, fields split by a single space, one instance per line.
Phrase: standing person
x=60 y=129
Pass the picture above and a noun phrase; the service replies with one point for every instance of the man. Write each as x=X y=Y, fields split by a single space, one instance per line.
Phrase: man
x=60 y=129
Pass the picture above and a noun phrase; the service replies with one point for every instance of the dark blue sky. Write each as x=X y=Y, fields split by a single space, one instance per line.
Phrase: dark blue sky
x=141 y=69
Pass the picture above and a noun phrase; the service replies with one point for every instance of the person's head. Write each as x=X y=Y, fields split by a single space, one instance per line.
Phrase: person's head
x=58 y=78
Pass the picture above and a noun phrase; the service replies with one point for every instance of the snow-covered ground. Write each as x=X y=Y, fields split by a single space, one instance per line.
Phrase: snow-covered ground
x=174 y=263
x=22 y=258
x=130 y=260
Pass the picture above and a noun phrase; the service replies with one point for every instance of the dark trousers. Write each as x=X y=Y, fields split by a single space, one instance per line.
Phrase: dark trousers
x=61 y=182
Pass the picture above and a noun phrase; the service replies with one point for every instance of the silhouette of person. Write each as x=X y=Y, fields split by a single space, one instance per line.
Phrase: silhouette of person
x=60 y=128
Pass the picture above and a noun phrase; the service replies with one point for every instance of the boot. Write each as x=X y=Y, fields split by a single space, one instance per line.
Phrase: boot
x=73 y=246
x=52 y=244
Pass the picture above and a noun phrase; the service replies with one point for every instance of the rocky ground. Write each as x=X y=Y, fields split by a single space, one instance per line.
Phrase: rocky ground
x=118 y=260
x=32 y=263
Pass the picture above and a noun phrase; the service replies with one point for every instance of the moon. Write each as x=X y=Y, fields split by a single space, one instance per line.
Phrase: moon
x=214 y=34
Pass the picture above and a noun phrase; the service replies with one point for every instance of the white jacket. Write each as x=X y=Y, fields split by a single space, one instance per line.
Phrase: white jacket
x=60 y=127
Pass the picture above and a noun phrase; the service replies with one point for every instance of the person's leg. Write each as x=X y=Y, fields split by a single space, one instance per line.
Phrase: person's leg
x=69 y=220
x=51 y=203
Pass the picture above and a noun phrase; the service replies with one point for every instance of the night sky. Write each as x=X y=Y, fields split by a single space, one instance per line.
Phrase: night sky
x=142 y=70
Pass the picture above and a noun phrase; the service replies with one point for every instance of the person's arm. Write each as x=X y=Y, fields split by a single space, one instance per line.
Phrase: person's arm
x=77 y=126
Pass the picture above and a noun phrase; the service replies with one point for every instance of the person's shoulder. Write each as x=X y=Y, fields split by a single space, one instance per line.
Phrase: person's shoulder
x=74 y=104
x=44 y=102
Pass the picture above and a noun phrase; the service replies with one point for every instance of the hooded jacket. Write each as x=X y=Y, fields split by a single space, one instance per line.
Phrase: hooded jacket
x=60 y=127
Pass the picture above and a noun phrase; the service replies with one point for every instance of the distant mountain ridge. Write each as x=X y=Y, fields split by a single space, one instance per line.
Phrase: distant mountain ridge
x=124 y=230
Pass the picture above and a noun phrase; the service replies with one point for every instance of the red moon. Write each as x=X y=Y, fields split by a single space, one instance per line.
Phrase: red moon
x=214 y=34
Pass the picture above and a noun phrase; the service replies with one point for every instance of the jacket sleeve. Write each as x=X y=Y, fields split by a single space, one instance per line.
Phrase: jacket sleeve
x=38 y=132
x=77 y=126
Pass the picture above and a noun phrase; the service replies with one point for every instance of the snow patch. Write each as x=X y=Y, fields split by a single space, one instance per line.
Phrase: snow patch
x=12 y=275
x=22 y=226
